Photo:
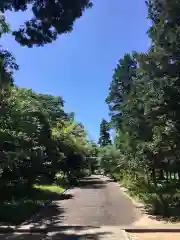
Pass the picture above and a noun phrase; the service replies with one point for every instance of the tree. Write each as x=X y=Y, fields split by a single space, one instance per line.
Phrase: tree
x=28 y=143
x=109 y=159
x=38 y=138
x=71 y=141
x=104 y=138
x=120 y=86
x=144 y=102
x=50 y=19
x=7 y=61
x=92 y=156
x=4 y=27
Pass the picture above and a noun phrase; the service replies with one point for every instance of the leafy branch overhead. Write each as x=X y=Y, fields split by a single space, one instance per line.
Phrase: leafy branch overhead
x=50 y=19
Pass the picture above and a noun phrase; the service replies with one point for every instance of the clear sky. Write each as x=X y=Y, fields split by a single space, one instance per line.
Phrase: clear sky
x=79 y=65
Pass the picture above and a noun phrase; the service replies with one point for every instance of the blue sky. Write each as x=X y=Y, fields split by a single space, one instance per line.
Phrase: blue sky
x=79 y=65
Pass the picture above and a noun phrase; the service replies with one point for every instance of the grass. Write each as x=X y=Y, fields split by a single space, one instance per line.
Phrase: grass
x=18 y=203
x=51 y=188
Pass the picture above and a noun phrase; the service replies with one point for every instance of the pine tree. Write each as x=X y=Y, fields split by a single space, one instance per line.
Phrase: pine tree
x=161 y=67
x=104 y=138
x=120 y=87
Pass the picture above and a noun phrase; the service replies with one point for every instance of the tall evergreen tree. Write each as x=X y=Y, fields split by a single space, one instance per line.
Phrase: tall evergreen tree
x=120 y=87
x=146 y=113
x=104 y=138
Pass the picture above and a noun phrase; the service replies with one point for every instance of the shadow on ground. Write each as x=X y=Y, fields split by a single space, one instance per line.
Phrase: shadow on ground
x=91 y=178
x=18 y=205
x=111 y=180
x=92 y=183
x=50 y=215
x=60 y=233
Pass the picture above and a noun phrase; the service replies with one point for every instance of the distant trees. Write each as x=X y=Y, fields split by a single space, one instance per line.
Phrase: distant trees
x=92 y=156
x=104 y=138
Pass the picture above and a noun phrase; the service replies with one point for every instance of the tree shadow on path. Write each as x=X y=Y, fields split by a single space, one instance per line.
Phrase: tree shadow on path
x=92 y=183
x=49 y=215
x=19 y=203
x=60 y=233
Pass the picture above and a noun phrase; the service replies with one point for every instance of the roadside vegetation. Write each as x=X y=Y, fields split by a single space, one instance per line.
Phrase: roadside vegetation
x=143 y=100
x=43 y=149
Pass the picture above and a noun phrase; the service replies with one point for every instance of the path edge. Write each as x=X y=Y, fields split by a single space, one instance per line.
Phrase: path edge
x=125 y=235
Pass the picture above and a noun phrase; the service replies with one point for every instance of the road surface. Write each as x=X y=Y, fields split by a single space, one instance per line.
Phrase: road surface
x=96 y=209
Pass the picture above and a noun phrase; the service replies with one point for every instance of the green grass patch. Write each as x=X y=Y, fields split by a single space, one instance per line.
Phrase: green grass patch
x=51 y=188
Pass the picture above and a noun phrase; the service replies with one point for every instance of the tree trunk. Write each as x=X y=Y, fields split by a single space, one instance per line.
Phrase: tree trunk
x=179 y=176
x=174 y=175
x=161 y=175
x=154 y=176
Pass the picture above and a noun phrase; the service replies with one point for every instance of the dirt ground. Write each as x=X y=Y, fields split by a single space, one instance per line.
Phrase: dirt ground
x=154 y=236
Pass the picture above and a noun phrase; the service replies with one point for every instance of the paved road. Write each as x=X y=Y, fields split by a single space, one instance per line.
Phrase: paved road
x=97 y=201
x=93 y=210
